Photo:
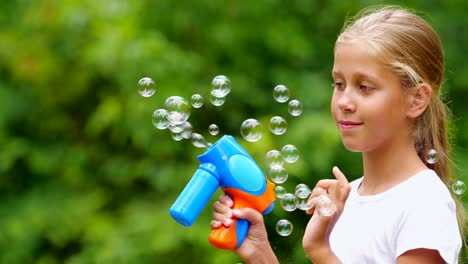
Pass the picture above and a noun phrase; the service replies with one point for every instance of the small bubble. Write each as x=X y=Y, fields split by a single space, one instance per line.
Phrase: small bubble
x=159 y=119
x=213 y=129
x=146 y=87
x=281 y=93
x=274 y=158
x=187 y=130
x=280 y=191
x=177 y=136
x=196 y=101
x=278 y=174
x=289 y=202
x=176 y=128
x=217 y=101
x=303 y=204
x=278 y=125
x=290 y=153
x=199 y=141
x=302 y=191
x=431 y=156
x=325 y=206
x=458 y=187
x=178 y=110
x=284 y=227
x=251 y=130
x=220 y=86
x=295 y=108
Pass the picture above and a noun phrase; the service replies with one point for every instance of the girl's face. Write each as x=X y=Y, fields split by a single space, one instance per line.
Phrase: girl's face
x=368 y=103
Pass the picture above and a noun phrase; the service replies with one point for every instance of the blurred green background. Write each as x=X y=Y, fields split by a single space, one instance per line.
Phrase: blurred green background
x=86 y=178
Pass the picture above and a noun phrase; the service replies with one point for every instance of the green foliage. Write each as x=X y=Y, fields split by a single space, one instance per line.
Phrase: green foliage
x=86 y=178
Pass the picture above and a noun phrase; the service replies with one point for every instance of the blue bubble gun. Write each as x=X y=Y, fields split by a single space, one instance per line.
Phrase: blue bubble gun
x=227 y=165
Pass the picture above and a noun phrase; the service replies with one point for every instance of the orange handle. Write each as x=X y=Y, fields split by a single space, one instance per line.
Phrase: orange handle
x=230 y=237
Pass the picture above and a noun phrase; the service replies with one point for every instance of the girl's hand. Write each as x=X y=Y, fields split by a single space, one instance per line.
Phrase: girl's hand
x=316 y=237
x=256 y=247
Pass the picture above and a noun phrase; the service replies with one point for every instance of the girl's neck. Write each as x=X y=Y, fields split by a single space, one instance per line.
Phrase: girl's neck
x=387 y=167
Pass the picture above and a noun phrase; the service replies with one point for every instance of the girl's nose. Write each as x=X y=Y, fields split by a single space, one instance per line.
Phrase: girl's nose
x=346 y=102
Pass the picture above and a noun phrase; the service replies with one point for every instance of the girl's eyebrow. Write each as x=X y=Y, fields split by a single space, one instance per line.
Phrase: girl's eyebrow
x=357 y=75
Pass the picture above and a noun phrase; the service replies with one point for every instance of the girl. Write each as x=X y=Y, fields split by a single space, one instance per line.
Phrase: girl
x=388 y=70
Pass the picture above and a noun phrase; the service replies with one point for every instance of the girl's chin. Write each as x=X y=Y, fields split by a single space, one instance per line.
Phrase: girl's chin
x=352 y=146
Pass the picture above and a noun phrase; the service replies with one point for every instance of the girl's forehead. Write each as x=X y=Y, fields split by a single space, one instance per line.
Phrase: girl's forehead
x=353 y=59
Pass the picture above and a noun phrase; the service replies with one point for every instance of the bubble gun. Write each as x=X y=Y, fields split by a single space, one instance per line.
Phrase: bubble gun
x=227 y=165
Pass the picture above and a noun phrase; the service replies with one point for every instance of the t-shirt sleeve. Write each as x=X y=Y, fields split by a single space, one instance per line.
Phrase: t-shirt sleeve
x=431 y=225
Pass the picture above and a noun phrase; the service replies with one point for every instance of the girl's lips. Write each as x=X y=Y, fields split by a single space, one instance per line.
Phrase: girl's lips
x=347 y=125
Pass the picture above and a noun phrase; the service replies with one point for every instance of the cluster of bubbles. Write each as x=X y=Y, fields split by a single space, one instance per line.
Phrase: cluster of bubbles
x=431 y=157
x=174 y=116
x=300 y=199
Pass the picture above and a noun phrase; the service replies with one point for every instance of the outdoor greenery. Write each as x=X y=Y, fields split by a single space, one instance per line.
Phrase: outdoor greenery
x=86 y=177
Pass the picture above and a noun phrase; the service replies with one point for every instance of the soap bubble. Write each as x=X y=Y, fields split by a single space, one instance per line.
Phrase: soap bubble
x=290 y=153
x=278 y=174
x=295 y=108
x=221 y=86
x=302 y=191
x=159 y=119
x=303 y=204
x=178 y=109
x=251 y=130
x=281 y=93
x=187 y=130
x=278 y=125
x=217 y=101
x=325 y=206
x=458 y=187
x=280 y=191
x=199 y=141
x=431 y=156
x=146 y=87
x=176 y=128
x=274 y=158
x=196 y=101
x=177 y=136
x=284 y=227
x=289 y=202
x=213 y=129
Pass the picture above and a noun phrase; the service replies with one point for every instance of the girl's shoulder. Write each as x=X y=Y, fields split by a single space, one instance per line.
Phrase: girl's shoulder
x=426 y=187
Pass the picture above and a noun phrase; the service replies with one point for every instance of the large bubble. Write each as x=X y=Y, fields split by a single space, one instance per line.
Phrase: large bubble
x=178 y=110
x=220 y=86
x=251 y=130
x=281 y=93
x=278 y=125
x=284 y=227
x=146 y=87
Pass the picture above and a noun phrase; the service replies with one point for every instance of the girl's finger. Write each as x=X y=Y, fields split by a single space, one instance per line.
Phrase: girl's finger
x=340 y=176
x=226 y=200
x=317 y=191
x=222 y=209
x=215 y=224
x=326 y=183
x=226 y=221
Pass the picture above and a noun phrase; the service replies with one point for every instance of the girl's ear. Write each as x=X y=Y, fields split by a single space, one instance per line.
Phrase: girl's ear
x=419 y=99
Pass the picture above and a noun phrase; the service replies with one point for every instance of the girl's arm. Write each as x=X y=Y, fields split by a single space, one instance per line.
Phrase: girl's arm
x=316 y=237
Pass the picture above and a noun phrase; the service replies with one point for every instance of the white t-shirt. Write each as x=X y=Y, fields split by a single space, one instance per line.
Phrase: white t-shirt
x=417 y=213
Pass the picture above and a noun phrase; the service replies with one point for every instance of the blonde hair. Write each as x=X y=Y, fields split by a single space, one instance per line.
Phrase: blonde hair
x=410 y=47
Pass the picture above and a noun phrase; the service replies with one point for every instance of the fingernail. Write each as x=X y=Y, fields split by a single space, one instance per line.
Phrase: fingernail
x=229 y=213
x=235 y=212
x=228 y=221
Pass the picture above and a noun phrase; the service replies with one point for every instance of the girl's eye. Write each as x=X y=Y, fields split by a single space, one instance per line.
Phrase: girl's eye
x=366 y=88
x=338 y=85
